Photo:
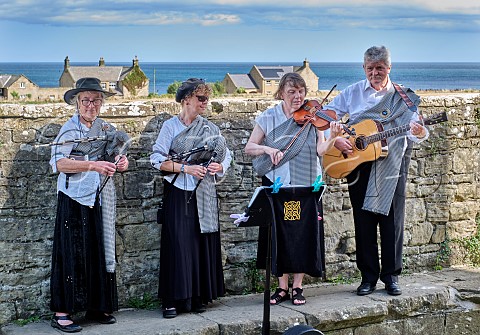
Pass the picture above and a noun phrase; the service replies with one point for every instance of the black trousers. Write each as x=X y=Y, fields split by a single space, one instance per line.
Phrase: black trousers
x=390 y=226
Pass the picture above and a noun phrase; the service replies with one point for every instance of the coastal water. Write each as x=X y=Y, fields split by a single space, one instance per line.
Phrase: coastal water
x=424 y=76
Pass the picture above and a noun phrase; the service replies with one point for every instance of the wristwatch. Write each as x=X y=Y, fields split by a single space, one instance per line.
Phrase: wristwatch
x=182 y=169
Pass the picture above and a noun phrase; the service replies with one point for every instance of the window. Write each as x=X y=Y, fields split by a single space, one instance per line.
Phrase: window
x=103 y=86
x=22 y=85
x=268 y=82
x=113 y=86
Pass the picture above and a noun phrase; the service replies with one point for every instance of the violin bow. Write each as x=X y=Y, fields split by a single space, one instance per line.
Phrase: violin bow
x=308 y=121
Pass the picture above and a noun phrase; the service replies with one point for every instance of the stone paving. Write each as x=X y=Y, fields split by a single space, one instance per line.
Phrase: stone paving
x=443 y=302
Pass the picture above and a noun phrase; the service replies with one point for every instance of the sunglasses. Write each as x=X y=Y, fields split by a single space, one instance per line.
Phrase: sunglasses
x=202 y=98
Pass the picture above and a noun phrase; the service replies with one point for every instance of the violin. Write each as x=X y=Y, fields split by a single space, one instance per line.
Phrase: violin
x=311 y=111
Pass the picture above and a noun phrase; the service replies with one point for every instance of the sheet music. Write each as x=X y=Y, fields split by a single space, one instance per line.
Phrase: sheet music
x=255 y=193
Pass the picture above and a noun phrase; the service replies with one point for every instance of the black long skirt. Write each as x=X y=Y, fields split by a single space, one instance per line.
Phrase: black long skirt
x=79 y=280
x=191 y=269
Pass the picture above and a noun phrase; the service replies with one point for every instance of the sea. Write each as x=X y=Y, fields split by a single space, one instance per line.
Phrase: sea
x=416 y=75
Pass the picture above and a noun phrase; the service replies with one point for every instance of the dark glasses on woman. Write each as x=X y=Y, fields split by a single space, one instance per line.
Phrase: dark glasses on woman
x=202 y=98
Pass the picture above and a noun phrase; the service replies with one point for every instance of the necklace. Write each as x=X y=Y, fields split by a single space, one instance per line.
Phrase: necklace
x=87 y=123
x=183 y=121
x=180 y=117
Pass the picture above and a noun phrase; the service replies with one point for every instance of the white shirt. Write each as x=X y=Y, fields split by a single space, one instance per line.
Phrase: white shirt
x=171 y=128
x=268 y=121
x=82 y=186
x=360 y=97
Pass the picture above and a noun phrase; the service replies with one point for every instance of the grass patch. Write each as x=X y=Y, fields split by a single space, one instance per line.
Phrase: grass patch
x=443 y=255
x=254 y=276
x=23 y=322
x=471 y=245
x=147 y=301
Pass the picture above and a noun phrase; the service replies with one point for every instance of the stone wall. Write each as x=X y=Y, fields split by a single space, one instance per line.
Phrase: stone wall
x=442 y=202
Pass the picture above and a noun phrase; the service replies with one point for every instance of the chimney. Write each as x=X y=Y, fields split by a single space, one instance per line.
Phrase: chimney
x=135 y=61
x=66 y=63
x=306 y=63
x=101 y=62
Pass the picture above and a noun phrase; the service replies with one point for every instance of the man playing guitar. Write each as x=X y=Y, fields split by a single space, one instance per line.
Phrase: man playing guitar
x=377 y=188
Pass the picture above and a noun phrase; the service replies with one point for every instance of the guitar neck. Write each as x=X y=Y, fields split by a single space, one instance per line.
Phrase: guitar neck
x=387 y=133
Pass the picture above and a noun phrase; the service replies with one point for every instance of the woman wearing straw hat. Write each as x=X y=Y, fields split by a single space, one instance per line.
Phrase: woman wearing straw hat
x=83 y=256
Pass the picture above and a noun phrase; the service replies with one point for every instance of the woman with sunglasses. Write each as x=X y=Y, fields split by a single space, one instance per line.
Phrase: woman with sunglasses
x=83 y=255
x=191 y=154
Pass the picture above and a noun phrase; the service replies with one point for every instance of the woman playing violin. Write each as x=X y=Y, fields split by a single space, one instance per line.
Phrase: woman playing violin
x=298 y=165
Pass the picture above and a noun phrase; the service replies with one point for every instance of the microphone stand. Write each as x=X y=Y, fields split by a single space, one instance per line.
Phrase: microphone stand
x=183 y=155
x=214 y=154
x=76 y=140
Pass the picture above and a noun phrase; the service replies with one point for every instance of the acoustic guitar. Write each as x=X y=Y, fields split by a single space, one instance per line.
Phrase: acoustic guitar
x=369 y=144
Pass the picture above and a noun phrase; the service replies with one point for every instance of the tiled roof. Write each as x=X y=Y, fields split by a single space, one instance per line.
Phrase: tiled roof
x=7 y=79
x=104 y=73
x=274 y=72
x=243 y=80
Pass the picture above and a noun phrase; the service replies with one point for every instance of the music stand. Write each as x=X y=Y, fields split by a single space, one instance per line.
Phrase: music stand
x=261 y=212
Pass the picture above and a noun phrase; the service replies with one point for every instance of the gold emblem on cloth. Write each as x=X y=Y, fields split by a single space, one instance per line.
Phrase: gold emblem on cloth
x=291 y=210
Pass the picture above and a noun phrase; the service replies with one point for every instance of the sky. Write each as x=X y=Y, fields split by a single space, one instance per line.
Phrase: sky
x=238 y=30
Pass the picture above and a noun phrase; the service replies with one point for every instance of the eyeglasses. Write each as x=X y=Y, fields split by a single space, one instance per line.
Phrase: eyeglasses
x=95 y=102
x=202 y=98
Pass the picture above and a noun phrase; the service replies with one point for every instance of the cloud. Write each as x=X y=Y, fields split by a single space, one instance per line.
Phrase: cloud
x=462 y=15
x=467 y=7
x=118 y=18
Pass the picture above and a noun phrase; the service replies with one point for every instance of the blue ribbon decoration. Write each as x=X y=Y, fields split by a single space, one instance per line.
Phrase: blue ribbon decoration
x=318 y=183
x=276 y=185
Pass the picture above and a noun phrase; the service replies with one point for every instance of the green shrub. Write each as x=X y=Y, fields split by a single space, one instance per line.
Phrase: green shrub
x=172 y=88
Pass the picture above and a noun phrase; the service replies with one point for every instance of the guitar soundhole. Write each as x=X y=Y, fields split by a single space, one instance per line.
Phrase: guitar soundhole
x=361 y=143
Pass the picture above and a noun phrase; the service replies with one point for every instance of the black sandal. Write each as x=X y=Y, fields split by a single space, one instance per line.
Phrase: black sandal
x=278 y=297
x=71 y=328
x=297 y=294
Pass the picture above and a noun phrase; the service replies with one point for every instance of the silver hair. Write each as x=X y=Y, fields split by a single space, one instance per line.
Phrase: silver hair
x=377 y=54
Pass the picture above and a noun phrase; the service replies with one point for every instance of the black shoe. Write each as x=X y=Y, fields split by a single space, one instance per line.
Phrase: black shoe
x=365 y=288
x=100 y=317
x=169 y=313
x=200 y=308
x=393 y=288
x=71 y=328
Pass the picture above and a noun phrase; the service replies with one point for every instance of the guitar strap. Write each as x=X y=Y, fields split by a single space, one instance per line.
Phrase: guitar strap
x=405 y=97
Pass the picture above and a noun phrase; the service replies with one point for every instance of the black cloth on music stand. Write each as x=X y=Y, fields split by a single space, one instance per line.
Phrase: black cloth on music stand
x=297 y=242
x=264 y=211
